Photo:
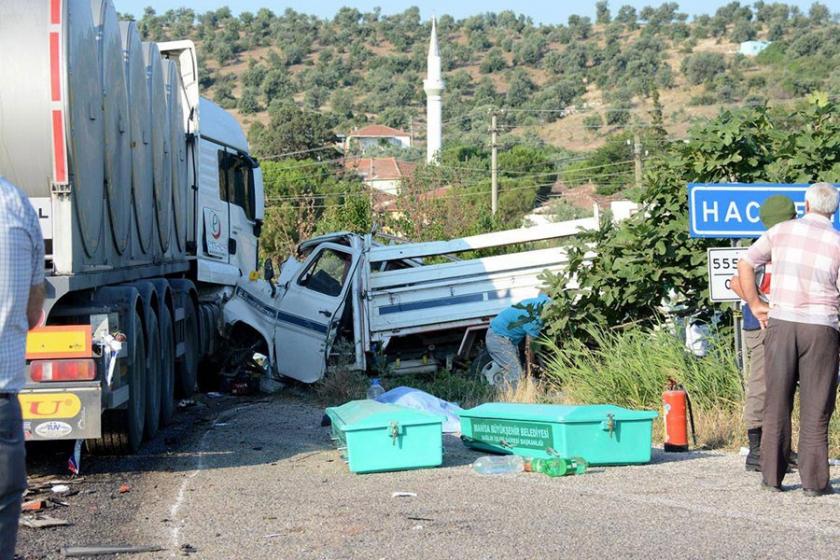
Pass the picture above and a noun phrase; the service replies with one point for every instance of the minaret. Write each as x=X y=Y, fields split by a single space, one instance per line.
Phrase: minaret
x=433 y=86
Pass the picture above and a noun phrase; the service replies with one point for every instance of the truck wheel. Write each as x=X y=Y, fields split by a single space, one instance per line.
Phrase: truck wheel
x=484 y=367
x=122 y=429
x=153 y=374
x=188 y=363
x=167 y=367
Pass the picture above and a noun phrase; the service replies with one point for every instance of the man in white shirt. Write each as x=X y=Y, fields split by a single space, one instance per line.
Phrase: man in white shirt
x=21 y=304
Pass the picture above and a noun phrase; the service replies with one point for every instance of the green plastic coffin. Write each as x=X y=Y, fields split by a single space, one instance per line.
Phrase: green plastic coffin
x=377 y=437
x=602 y=434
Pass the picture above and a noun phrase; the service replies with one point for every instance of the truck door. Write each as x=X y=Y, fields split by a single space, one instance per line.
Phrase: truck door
x=310 y=310
x=240 y=192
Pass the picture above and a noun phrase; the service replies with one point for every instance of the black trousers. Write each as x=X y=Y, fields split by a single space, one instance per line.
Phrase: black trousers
x=808 y=354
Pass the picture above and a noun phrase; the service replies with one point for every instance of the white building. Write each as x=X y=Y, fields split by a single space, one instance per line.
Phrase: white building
x=375 y=136
x=433 y=86
x=752 y=48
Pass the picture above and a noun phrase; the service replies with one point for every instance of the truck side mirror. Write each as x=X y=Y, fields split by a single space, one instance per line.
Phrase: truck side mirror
x=268 y=270
x=268 y=274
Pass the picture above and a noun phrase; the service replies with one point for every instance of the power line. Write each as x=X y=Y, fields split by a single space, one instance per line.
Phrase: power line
x=444 y=197
x=523 y=176
x=299 y=152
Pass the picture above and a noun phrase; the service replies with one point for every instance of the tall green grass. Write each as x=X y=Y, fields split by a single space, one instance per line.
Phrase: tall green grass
x=632 y=367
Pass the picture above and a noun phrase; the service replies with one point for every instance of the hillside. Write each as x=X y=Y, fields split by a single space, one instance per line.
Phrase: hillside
x=569 y=84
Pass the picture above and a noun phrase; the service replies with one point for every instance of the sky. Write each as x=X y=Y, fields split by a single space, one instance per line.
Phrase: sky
x=542 y=11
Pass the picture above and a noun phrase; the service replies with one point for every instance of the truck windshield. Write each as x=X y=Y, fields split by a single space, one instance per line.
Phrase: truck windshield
x=327 y=273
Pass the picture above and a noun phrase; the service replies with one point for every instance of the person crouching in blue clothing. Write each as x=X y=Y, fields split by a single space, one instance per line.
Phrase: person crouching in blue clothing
x=509 y=328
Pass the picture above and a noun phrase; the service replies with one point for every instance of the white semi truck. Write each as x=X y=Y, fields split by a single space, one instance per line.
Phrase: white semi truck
x=150 y=205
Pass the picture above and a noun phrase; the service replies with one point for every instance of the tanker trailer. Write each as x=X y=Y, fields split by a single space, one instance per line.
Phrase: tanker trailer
x=150 y=206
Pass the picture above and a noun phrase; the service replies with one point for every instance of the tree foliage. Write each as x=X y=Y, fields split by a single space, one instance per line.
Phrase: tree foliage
x=626 y=271
x=294 y=131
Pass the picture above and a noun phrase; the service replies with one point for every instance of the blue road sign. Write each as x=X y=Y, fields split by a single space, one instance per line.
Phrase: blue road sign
x=730 y=210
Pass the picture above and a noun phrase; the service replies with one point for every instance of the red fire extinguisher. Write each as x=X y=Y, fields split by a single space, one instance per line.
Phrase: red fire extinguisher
x=677 y=411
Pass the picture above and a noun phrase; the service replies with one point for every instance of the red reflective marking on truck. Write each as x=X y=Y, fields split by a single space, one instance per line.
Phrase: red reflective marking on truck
x=55 y=12
x=59 y=161
x=55 y=66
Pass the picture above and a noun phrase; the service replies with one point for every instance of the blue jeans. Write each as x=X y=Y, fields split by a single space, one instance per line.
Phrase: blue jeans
x=506 y=354
x=12 y=473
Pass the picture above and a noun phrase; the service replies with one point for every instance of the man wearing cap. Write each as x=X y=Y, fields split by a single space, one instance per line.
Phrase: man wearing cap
x=774 y=210
x=803 y=337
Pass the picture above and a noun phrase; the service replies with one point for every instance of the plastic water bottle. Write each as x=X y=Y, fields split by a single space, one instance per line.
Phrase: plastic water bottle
x=557 y=466
x=375 y=390
x=499 y=464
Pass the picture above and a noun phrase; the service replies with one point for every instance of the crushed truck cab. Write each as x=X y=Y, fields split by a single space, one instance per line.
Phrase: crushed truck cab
x=404 y=308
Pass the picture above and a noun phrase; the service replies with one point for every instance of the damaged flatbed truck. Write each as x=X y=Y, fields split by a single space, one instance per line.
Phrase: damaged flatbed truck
x=401 y=309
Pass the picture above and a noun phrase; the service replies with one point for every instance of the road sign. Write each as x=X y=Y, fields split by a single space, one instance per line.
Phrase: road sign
x=730 y=210
x=723 y=263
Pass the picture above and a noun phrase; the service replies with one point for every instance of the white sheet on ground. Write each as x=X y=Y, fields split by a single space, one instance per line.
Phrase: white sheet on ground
x=420 y=400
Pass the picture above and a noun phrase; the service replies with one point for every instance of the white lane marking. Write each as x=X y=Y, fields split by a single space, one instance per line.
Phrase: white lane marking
x=175 y=531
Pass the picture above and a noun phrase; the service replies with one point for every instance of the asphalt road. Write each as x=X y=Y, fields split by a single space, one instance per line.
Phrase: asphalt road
x=259 y=478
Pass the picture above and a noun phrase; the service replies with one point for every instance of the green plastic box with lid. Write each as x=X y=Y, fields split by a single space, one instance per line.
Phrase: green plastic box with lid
x=377 y=437
x=602 y=434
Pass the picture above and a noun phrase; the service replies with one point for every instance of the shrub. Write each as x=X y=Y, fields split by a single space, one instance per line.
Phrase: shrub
x=494 y=62
x=563 y=211
x=248 y=103
x=593 y=122
x=703 y=66
x=631 y=368
x=703 y=99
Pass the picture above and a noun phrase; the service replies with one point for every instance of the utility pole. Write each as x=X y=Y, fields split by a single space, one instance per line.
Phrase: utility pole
x=494 y=165
x=637 y=156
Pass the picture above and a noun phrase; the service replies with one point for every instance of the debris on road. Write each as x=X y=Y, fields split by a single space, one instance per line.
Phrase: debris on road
x=214 y=395
x=403 y=495
x=41 y=521
x=98 y=550
x=124 y=488
x=499 y=464
x=187 y=549
x=33 y=505
x=186 y=403
x=60 y=489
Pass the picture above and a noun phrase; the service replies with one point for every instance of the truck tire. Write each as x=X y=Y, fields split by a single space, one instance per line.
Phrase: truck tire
x=122 y=429
x=167 y=367
x=188 y=363
x=153 y=376
x=485 y=368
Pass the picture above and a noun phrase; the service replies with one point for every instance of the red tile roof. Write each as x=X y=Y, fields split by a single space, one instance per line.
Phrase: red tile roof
x=376 y=131
x=380 y=169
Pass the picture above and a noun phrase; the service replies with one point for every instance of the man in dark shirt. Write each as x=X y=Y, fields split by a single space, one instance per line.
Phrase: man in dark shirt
x=776 y=209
